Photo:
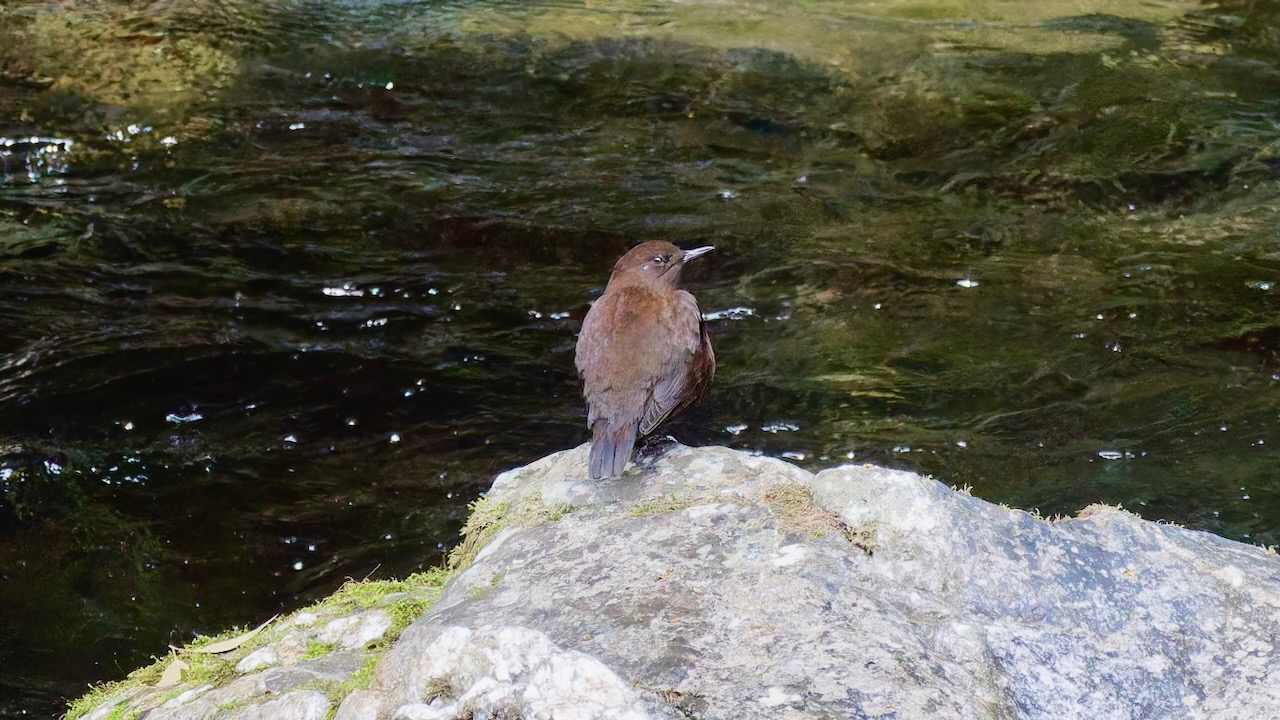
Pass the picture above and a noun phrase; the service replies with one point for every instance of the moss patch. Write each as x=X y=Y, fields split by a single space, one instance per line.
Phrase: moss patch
x=671 y=503
x=494 y=580
x=359 y=680
x=363 y=594
x=483 y=523
x=316 y=649
x=403 y=613
x=416 y=594
x=99 y=694
x=488 y=517
x=794 y=506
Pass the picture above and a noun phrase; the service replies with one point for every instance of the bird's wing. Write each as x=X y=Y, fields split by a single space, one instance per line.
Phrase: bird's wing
x=587 y=354
x=671 y=386
x=600 y=358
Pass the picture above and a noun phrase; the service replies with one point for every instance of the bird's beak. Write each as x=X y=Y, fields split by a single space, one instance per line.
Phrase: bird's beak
x=697 y=252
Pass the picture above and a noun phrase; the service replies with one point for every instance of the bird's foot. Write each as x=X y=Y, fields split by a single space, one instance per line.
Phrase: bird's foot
x=652 y=447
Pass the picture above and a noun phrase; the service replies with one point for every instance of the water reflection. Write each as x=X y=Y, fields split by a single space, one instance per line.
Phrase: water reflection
x=32 y=158
x=286 y=283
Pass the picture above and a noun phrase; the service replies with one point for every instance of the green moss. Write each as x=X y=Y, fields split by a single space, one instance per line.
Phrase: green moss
x=316 y=649
x=403 y=613
x=403 y=600
x=559 y=510
x=210 y=669
x=793 y=504
x=204 y=641
x=488 y=517
x=97 y=695
x=667 y=504
x=671 y=503
x=231 y=706
x=336 y=692
x=359 y=680
x=120 y=712
x=363 y=594
x=494 y=580
x=149 y=675
x=101 y=693
x=483 y=523
x=203 y=668
x=420 y=591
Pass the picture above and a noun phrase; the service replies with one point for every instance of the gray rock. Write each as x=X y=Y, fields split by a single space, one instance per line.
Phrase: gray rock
x=713 y=584
x=258 y=659
x=712 y=581
x=356 y=631
x=361 y=704
x=298 y=705
x=512 y=672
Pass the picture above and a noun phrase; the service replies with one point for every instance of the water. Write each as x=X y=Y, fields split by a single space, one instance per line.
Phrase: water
x=285 y=284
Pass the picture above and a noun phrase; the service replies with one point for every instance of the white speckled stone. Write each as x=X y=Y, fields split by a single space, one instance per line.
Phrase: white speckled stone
x=297 y=705
x=356 y=631
x=258 y=659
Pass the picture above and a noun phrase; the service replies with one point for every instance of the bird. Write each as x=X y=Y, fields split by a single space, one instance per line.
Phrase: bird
x=643 y=353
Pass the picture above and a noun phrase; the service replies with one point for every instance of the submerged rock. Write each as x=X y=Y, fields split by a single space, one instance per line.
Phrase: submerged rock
x=710 y=583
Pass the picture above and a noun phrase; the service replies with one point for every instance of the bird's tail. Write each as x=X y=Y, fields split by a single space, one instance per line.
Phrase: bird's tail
x=611 y=447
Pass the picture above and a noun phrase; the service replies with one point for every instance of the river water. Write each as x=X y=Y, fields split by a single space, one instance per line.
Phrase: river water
x=284 y=284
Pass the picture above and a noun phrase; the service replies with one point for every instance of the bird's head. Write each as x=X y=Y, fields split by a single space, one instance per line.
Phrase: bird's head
x=654 y=262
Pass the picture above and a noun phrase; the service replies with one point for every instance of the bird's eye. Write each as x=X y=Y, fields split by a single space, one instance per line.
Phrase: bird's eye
x=662 y=259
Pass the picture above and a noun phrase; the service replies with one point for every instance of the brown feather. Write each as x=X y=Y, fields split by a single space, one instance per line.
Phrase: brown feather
x=644 y=354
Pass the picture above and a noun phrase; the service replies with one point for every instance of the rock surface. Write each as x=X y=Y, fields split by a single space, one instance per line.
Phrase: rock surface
x=713 y=584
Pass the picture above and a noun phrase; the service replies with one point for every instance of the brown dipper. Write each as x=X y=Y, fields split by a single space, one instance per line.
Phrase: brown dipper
x=643 y=353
